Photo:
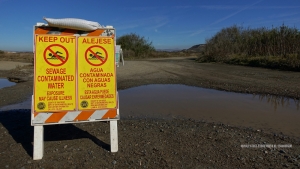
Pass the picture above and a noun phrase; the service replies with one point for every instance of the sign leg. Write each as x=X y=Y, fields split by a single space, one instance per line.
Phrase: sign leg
x=113 y=136
x=38 y=143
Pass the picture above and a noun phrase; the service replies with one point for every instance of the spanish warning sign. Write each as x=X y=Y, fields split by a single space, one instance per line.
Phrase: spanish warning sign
x=96 y=73
x=54 y=77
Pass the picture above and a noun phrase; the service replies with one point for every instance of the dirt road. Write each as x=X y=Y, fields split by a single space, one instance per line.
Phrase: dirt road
x=209 y=75
x=183 y=70
x=155 y=143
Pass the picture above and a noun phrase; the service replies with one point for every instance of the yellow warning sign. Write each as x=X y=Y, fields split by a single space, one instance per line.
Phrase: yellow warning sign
x=54 y=77
x=96 y=73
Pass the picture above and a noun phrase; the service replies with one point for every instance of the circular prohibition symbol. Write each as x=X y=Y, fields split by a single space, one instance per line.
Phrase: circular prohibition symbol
x=94 y=56
x=57 y=58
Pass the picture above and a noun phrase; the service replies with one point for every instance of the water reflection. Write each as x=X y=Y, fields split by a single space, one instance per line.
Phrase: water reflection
x=278 y=101
x=24 y=105
x=5 y=83
x=176 y=97
x=200 y=98
x=278 y=114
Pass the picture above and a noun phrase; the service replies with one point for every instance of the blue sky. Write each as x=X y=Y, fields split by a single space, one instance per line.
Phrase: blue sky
x=169 y=24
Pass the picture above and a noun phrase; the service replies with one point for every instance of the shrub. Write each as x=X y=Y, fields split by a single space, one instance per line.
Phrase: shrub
x=135 y=46
x=255 y=47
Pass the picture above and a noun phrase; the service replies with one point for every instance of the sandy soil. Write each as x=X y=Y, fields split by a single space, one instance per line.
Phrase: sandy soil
x=9 y=65
x=155 y=143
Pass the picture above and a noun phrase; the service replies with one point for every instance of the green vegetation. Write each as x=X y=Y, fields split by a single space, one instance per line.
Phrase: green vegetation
x=135 y=46
x=277 y=48
x=1 y=52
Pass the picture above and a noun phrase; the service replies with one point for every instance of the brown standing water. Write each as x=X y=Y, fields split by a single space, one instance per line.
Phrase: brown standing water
x=5 y=83
x=269 y=113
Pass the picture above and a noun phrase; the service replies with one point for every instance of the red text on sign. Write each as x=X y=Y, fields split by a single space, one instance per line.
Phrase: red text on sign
x=56 y=71
x=56 y=39
x=56 y=86
x=96 y=40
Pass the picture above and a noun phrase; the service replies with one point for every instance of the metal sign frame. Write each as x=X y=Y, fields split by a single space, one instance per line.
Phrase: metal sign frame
x=39 y=119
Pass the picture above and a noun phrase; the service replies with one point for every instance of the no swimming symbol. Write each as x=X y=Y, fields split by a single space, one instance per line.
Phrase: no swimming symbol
x=96 y=55
x=56 y=55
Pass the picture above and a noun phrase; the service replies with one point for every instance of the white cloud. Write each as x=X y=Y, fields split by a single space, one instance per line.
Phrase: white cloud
x=127 y=26
x=145 y=8
x=150 y=23
x=275 y=7
x=230 y=7
x=225 y=18
x=284 y=15
x=159 y=25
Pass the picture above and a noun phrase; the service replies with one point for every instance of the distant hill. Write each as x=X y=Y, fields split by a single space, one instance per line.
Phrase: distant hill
x=168 y=50
x=196 y=48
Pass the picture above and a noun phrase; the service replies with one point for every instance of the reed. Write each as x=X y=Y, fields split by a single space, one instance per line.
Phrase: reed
x=276 y=47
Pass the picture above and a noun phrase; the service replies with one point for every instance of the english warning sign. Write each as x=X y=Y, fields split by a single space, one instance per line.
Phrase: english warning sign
x=96 y=73
x=55 y=71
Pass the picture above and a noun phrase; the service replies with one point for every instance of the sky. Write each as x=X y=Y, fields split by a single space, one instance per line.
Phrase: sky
x=168 y=24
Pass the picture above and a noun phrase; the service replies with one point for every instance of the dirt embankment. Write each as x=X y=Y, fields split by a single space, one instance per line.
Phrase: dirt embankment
x=155 y=143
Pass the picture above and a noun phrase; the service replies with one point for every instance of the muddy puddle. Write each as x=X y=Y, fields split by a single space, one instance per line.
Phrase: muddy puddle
x=5 y=83
x=23 y=105
x=269 y=113
x=167 y=101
